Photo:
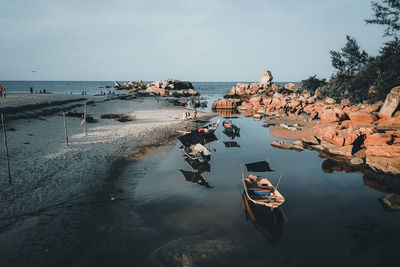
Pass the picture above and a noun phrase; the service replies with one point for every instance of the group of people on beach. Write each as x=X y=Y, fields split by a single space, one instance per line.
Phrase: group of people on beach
x=2 y=91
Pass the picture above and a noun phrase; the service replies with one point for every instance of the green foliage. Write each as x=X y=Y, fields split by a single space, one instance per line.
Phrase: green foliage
x=312 y=83
x=374 y=81
x=350 y=59
x=387 y=14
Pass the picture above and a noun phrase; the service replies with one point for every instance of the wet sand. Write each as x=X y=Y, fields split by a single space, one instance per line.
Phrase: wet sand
x=56 y=189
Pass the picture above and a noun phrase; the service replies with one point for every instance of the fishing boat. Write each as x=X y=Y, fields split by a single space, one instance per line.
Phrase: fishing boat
x=194 y=145
x=197 y=152
x=269 y=224
x=209 y=128
x=259 y=190
x=230 y=128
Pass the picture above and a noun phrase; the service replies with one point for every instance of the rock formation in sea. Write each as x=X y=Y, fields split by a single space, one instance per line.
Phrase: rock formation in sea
x=167 y=87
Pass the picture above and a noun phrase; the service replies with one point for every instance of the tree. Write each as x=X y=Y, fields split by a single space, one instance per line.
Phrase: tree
x=350 y=59
x=312 y=83
x=387 y=14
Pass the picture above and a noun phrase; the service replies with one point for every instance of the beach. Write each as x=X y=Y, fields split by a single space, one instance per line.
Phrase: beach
x=53 y=183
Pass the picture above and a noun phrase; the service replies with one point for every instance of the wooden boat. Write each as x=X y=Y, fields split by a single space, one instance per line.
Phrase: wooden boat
x=269 y=224
x=197 y=152
x=209 y=128
x=260 y=190
x=230 y=129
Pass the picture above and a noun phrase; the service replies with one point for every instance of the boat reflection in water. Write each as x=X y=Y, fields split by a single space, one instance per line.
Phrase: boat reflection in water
x=195 y=177
x=268 y=223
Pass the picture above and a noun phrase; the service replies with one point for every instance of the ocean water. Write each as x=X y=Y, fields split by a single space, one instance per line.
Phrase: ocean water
x=96 y=87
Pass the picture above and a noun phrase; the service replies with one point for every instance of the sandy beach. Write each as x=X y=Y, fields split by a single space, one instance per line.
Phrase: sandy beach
x=53 y=184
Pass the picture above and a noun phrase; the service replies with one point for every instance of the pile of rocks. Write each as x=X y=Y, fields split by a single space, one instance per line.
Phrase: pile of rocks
x=366 y=134
x=167 y=87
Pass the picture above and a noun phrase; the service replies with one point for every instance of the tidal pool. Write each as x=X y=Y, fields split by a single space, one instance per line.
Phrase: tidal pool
x=332 y=218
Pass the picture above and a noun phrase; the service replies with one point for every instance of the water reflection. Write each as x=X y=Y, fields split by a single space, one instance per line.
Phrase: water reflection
x=268 y=223
x=195 y=177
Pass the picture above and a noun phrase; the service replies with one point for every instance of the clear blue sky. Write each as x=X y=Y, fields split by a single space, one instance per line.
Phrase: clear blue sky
x=203 y=40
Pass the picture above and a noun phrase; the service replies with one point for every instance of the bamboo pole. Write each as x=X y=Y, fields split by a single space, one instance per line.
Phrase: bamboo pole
x=84 y=119
x=65 y=128
x=6 y=148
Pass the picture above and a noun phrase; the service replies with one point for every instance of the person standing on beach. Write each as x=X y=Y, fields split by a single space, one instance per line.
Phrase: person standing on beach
x=31 y=90
x=4 y=92
x=1 y=91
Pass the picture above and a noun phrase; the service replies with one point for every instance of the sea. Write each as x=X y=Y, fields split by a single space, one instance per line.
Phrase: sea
x=97 y=87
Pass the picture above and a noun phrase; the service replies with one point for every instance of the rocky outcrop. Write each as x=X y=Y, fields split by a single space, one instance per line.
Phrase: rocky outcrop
x=226 y=104
x=391 y=104
x=117 y=84
x=266 y=78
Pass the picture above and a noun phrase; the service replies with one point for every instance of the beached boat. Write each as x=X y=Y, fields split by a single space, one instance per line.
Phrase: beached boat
x=209 y=128
x=194 y=145
x=259 y=190
x=197 y=152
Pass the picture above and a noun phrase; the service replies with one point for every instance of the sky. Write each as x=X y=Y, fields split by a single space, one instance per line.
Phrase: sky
x=207 y=40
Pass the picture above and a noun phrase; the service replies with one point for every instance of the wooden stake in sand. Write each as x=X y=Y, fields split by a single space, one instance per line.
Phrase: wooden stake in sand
x=84 y=119
x=65 y=128
x=6 y=148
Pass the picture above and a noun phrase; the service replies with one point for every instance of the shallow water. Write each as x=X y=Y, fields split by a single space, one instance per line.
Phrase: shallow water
x=332 y=218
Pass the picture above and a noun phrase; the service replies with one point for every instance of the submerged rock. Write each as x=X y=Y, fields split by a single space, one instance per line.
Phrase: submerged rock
x=391 y=201
x=192 y=251
x=298 y=146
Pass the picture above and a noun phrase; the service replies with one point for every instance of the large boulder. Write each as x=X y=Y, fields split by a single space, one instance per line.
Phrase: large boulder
x=362 y=118
x=332 y=115
x=330 y=101
x=391 y=103
x=225 y=104
x=266 y=78
x=291 y=86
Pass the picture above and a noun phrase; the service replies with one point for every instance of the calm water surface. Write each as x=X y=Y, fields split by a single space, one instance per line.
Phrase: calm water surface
x=333 y=218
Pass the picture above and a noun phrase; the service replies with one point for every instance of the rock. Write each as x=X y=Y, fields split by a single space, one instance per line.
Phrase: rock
x=192 y=92
x=395 y=121
x=356 y=161
x=378 y=139
x=291 y=86
x=266 y=78
x=391 y=201
x=339 y=150
x=384 y=164
x=298 y=146
x=192 y=251
x=345 y=102
x=386 y=151
x=318 y=94
x=337 y=135
x=372 y=108
x=246 y=106
x=391 y=103
x=362 y=117
x=285 y=126
x=332 y=115
x=330 y=101
x=254 y=86
x=117 y=84
x=225 y=104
